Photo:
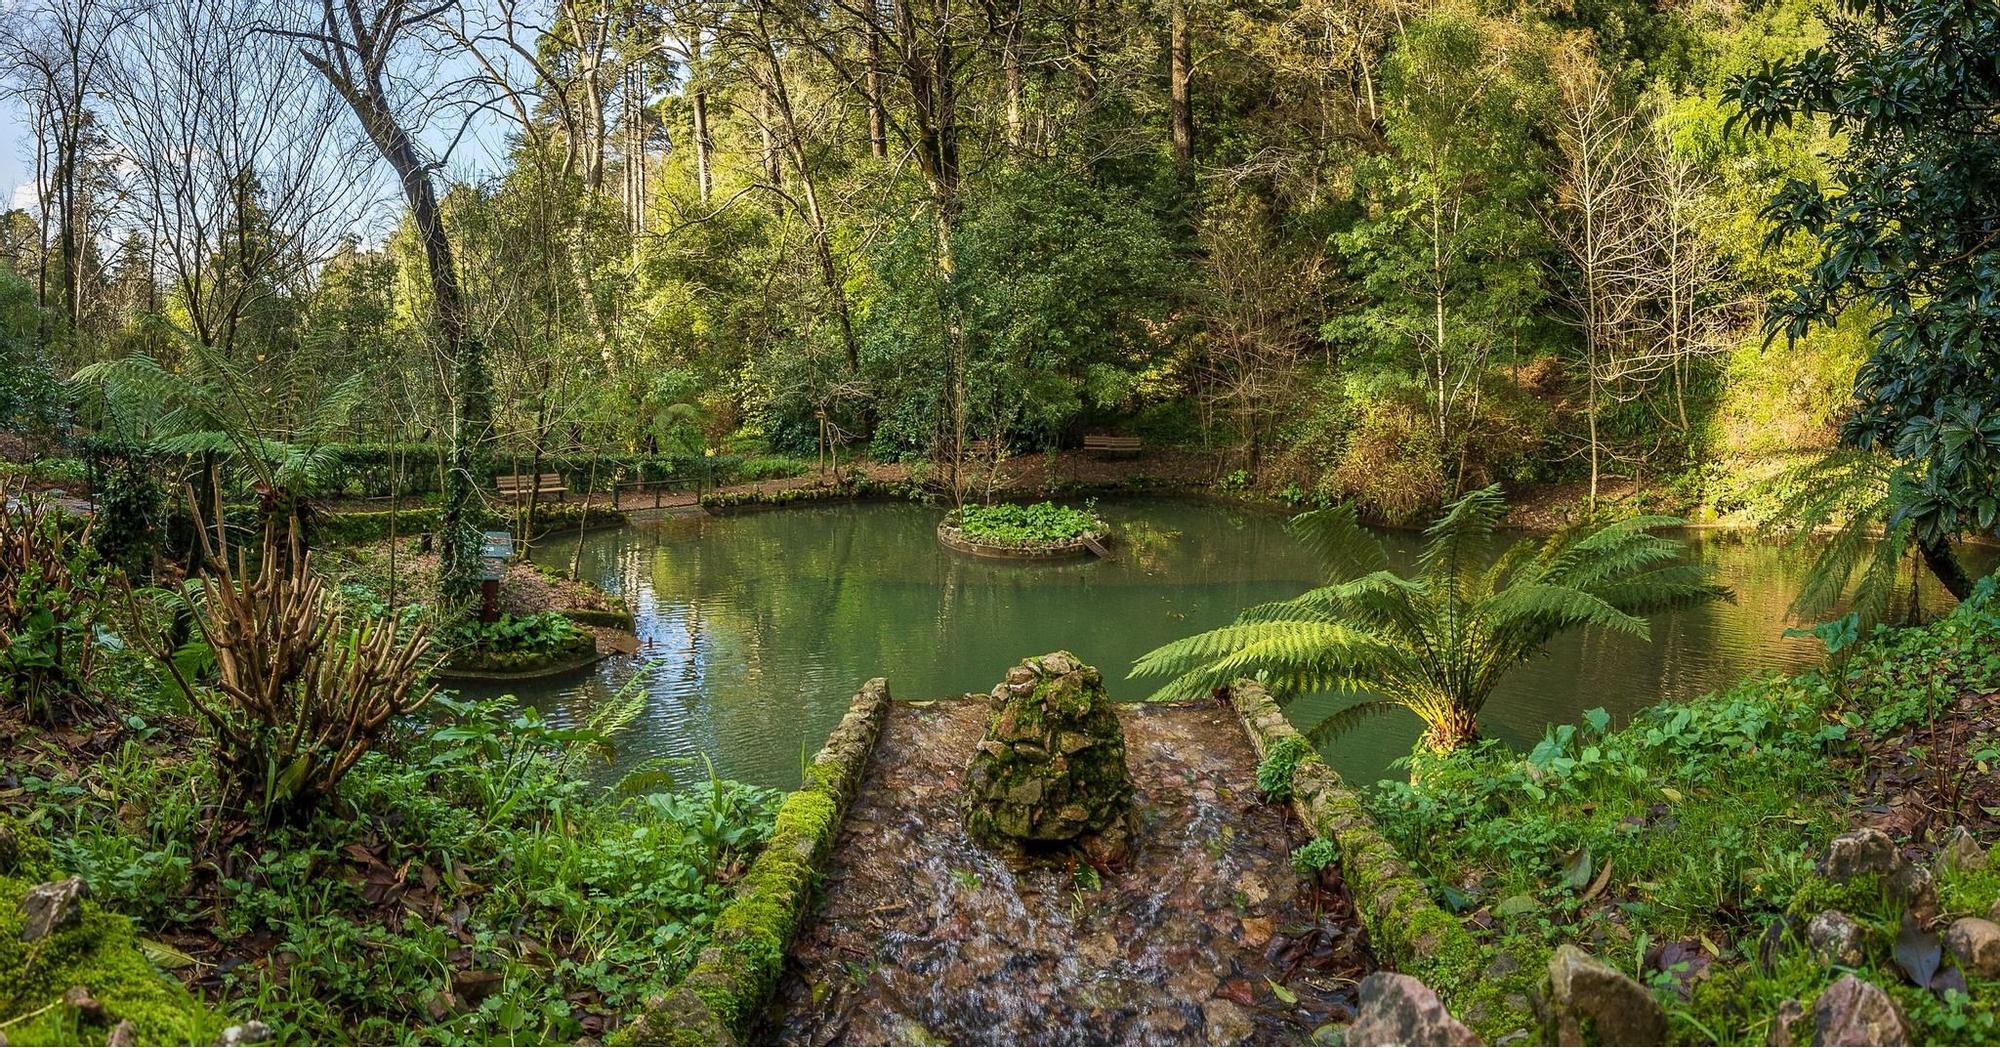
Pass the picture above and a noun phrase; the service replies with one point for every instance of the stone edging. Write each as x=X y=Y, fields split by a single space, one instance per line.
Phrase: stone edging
x=720 y=998
x=1408 y=930
x=953 y=538
x=554 y=669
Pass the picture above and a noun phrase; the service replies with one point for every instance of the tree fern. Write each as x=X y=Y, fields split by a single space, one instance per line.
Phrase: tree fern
x=208 y=409
x=1844 y=511
x=1439 y=641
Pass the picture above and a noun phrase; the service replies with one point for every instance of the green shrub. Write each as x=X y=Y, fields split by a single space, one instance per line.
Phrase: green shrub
x=770 y=467
x=50 y=593
x=1274 y=772
x=1315 y=855
x=1700 y=822
x=517 y=643
x=1042 y=522
x=575 y=903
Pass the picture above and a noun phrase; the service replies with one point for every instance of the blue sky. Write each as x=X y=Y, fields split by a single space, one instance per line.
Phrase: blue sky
x=13 y=152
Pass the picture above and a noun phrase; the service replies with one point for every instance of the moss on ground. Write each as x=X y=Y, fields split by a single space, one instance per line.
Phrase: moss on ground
x=102 y=955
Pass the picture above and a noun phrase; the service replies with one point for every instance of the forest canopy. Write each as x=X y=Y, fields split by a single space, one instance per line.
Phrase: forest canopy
x=1361 y=249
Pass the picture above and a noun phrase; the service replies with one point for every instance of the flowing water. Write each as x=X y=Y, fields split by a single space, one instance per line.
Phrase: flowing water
x=756 y=629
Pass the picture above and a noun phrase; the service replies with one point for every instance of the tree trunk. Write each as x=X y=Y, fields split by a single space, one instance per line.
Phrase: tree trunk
x=704 y=145
x=1180 y=75
x=1011 y=78
x=878 y=118
x=1943 y=562
x=795 y=148
x=768 y=142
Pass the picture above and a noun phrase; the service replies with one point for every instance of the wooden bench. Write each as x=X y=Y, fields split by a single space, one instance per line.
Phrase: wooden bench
x=1106 y=444
x=518 y=486
x=981 y=449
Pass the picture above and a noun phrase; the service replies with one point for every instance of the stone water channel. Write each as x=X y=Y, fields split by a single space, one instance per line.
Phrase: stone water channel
x=1202 y=934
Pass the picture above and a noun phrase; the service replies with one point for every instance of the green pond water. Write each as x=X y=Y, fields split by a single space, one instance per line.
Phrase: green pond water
x=756 y=629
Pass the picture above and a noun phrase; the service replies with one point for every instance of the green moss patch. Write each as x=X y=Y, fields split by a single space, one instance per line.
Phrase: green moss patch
x=102 y=955
x=1406 y=927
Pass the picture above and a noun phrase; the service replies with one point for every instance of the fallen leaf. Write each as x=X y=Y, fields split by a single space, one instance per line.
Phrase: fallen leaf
x=163 y=955
x=1576 y=868
x=1603 y=881
x=1917 y=951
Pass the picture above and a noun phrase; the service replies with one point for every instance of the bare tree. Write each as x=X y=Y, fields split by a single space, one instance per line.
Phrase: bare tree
x=55 y=59
x=1641 y=292
x=241 y=171
x=1601 y=225
x=1260 y=316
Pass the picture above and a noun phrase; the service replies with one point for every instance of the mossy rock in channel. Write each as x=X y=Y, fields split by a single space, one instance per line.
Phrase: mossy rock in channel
x=1051 y=770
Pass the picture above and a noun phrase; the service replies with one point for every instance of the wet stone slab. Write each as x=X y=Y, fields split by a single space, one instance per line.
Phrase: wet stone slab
x=1205 y=934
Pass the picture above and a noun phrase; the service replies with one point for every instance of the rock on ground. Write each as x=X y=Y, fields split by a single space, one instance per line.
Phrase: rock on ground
x=1397 y=1009
x=1854 y=1011
x=1590 y=1002
x=52 y=907
x=1866 y=850
x=1975 y=941
x=1836 y=938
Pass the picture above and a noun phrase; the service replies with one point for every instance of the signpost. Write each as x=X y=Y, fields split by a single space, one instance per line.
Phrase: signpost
x=494 y=549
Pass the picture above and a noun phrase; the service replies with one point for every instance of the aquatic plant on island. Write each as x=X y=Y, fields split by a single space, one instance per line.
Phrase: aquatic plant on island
x=1439 y=641
x=1016 y=524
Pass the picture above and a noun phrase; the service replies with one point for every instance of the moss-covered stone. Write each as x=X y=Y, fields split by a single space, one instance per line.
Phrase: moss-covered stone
x=1051 y=769
x=1408 y=930
x=720 y=998
x=101 y=954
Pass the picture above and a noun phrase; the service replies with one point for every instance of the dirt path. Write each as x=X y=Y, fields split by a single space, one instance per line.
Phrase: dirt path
x=1205 y=935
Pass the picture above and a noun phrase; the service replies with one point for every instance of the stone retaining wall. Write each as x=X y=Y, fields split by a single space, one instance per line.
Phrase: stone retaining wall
x=1409 y=931
x=719 y=999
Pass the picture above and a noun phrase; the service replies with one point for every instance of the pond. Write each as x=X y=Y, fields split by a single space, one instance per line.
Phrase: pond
x=756 y=629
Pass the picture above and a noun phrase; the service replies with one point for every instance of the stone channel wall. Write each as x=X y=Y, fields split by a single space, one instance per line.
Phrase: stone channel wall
x=721 y=996
x=1409 y=931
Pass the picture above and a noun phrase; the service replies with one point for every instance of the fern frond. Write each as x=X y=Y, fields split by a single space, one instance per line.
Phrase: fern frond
x=1346 y=550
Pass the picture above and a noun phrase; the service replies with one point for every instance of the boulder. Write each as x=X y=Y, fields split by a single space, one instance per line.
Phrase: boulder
x=1869 y=851
x=52 y=907
x=1866 y=850
x=1590 y=1002
x=1397 y=1009
x=1051 y=769
x=1836 y=938
x=1975 y=941
x=1961 y=851
x=1855 y=1012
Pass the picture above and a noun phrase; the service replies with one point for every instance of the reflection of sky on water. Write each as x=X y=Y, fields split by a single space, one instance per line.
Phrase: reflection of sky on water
x=756 y=629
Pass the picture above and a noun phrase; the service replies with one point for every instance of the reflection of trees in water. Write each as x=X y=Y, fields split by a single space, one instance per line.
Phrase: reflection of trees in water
x=1148 y=544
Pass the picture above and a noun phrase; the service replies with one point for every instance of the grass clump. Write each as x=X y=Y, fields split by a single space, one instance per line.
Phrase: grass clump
x=1280 y=763
x=1016 y=524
